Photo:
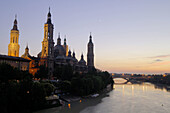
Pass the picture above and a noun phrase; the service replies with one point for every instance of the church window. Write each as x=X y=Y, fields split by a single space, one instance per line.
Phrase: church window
x=15 y=53
x=13 y=39
x=45 y=50
x=50 y=50
x=48 y=35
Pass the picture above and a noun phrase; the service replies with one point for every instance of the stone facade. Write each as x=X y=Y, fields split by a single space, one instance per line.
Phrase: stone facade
x=13 y=47
x=58 y=55
x=16 y=62
x=90 y=54
x=48 y=44
x=34 y=61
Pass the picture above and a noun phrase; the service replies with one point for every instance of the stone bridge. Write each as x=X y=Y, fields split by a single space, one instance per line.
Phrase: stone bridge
x=129 y=77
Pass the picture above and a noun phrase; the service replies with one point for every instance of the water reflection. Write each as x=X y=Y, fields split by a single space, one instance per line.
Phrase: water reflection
x=125 y=98
x=119 y=80
x=162 y=87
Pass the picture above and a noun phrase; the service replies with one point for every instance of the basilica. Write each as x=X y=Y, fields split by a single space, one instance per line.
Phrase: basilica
x=52 y=55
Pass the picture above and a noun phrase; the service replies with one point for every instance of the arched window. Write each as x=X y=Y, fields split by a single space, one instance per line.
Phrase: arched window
x=15 y=53
x=50 y=51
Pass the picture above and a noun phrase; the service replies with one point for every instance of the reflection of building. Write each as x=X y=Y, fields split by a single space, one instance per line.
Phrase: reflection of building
x=13 y=47
x=17 y=62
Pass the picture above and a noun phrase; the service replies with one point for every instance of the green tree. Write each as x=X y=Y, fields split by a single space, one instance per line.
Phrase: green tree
x=49 y=88
x=65 y=86
x=64 y=72
x=38 y=94
x=7 y=72
x=42 y=72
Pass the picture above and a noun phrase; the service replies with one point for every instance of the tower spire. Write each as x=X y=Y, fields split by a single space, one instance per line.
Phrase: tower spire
x=27 y=45
x=90 y=54
x=59 y=39
x=59 y=35
x=15 y=23
x=90 y=38
x=73 y=54
x=65 y=40
x=15 y=16
x=49 y=17
x=82 y=56
x=13 y=47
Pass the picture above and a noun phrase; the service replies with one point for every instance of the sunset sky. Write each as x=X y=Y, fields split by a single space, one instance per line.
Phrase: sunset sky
x=130 y=36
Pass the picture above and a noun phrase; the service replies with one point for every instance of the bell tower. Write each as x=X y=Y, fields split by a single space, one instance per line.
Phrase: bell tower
x=48 y=45
x=90 y=54
x=48 y=42
x=65 y=46
x=13 y=47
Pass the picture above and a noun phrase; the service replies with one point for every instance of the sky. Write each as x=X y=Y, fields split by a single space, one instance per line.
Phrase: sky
x=130 y=36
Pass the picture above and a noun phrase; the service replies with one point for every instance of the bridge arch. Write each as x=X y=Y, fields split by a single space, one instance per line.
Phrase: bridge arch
x=120 y=80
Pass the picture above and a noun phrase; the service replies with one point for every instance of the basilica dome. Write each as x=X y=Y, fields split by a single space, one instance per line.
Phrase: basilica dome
x=59 y=51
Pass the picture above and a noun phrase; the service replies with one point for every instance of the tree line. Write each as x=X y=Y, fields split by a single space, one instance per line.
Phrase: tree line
x=19 y=93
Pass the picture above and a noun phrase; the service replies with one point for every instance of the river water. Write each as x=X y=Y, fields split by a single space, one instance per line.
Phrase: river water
x=125 y=98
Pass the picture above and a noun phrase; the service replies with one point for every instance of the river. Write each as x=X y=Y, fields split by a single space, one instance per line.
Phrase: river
x=125 y=98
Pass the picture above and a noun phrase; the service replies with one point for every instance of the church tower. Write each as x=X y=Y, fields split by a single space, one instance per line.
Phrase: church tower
x=13 y=47
x=48 y=44
x=65 y=46
x=90 y=54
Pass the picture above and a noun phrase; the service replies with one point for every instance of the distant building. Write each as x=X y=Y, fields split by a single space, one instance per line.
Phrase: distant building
x=167 y=74
x=16 y=62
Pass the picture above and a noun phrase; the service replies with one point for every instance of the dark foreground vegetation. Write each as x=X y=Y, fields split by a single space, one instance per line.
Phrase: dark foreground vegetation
x=85 y=84
x=19 y=93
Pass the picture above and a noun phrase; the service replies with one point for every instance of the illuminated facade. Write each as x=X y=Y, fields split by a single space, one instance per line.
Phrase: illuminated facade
x=13 y=47
x=16 y=62
x=47 y=52
x=58 y=55
x=34 y=61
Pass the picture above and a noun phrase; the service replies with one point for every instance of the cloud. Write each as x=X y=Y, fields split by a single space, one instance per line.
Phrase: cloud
x=161 y=63
x=155 y=61
x=160 y=56
x=158 y=60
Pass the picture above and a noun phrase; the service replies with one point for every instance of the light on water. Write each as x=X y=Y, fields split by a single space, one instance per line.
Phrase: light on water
x=125 y=98
x=119 y=80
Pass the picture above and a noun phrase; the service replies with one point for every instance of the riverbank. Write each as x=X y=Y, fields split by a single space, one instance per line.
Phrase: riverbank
x=71 y=98
x=68 y=100
x=71 y=106
x=125 y=98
